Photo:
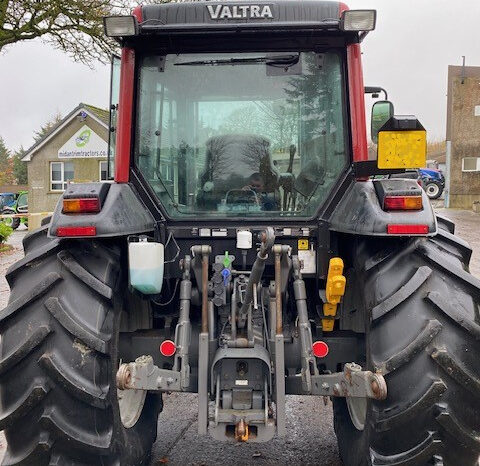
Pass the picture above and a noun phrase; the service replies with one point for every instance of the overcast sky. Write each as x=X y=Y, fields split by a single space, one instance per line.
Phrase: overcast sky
x=408 y=54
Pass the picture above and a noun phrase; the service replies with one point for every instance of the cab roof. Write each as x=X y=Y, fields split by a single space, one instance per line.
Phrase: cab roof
x=228 y=14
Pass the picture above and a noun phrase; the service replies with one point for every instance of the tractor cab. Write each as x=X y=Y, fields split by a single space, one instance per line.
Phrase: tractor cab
x=246 y=112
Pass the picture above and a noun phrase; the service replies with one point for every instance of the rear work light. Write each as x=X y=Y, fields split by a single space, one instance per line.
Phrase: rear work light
x=407 y=229
x=81 y=206
x=358 y=20
x=120 y=26
x=77 y=231
x=402 y=203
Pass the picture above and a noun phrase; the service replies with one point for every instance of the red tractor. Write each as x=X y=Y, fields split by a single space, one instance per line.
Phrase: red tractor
x=245 y=252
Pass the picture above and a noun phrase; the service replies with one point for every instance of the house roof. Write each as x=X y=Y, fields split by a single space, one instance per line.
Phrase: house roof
x=98 y=114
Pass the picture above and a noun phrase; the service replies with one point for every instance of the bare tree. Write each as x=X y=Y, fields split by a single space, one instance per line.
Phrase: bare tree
x=73 y=26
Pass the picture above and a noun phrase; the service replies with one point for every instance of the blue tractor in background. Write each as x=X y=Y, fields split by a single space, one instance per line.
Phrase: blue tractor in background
x=7 y=200
x=13 y=204
x=430 y=179
x=433 y=182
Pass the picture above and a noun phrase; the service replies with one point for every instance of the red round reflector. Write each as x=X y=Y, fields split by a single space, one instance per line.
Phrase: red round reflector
x=168 y=348
x=320 y=349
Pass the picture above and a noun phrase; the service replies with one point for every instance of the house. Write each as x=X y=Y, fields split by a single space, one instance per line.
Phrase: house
x=74 y=150
x=463 y=137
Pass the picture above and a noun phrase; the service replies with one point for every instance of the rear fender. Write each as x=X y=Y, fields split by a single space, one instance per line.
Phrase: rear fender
x=359 y=212
x=122 y=213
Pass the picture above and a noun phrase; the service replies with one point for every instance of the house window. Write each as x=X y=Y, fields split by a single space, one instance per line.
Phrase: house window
x=471 y=164
x=103 y=170
x=60 y=173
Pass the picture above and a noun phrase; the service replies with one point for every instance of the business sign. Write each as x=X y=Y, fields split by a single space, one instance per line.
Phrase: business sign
x=85 y=143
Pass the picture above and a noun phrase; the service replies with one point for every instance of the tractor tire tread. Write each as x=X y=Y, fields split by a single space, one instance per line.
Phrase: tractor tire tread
x=453 y=313
x=419 y=455
x=415 y=282
x=456 y=370
x=81 y=389
x=26 y=299
x=24 y=348
x=462 y=434
x=70 y=322
x=26 y=402
x=31 y=259
x=69 y=262
x=415 y=347
x=427 y=401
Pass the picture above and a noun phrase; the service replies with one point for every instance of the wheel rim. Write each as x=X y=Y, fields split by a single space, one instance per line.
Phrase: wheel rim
x=131 y=404
x=432 y=189
x=357 y=407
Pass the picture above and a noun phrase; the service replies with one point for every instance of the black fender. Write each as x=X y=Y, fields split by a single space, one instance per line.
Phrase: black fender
x=122 y=212
x=359 y=212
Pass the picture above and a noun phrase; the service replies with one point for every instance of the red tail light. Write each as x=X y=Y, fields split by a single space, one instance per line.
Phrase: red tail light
x=320 y=349
x=90 y=205
x=403 y=203
x=168 y=348
x=407 y=229
x=77 y=231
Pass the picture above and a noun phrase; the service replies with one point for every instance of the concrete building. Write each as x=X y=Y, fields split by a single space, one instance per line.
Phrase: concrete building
x=75 y=150
x=463 y=137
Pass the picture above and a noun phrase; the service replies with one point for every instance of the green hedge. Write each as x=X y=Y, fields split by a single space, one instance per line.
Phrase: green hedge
x=5 y=232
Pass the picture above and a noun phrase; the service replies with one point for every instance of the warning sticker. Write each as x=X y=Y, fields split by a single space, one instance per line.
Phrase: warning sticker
x=303 y=244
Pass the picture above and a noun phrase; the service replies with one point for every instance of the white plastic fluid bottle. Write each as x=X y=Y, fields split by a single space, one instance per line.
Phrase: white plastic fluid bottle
x=145 y=263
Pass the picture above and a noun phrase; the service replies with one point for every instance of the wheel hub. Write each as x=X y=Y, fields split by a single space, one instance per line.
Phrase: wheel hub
x=357 y=407
x=131 y=404
x=432 y=189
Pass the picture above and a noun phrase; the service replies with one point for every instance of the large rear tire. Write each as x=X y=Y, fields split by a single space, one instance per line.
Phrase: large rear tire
x=424 y=338
x=59 y=357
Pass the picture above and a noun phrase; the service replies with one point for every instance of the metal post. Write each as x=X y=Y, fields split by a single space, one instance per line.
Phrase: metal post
x=183 y=330
x=280 y=385
x=448 y=177
x=203 y=347
x=278 y=291
x=203 y=383
x=204 y=292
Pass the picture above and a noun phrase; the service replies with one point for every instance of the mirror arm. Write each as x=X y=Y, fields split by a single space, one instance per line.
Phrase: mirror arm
x=376 y=90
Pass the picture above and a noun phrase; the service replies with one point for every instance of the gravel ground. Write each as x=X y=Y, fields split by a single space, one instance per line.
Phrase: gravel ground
x=310 y=437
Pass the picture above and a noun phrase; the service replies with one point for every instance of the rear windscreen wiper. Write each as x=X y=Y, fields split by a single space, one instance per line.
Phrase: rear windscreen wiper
x=279 y=60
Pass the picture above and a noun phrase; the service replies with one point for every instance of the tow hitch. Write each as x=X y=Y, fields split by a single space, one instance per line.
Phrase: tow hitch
x=353 y=382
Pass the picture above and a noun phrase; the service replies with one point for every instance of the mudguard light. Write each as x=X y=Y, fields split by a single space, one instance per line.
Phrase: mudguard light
x=81 y=206
x=358 y=20
x=120 y=26
x=403 y=203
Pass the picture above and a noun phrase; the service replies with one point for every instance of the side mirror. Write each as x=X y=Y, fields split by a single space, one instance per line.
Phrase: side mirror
x=382 y=111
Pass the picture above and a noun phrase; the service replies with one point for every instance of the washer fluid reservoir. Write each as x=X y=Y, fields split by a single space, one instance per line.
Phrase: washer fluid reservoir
x=145 y=264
